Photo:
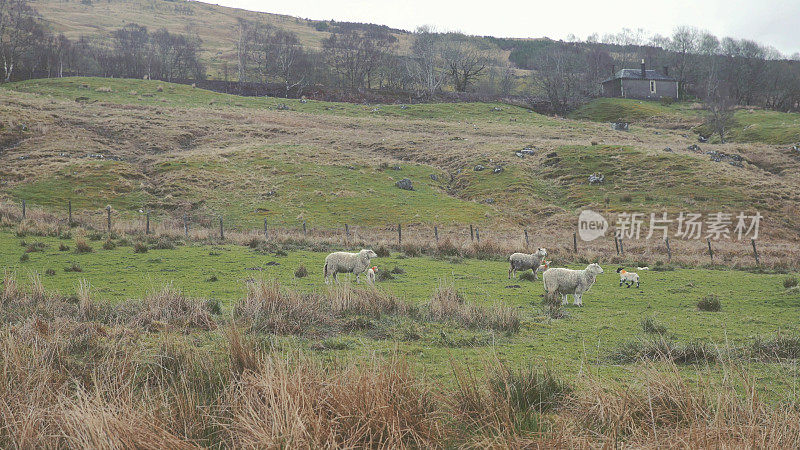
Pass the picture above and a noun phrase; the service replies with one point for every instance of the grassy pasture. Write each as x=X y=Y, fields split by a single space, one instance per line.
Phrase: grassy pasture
x=752 y=304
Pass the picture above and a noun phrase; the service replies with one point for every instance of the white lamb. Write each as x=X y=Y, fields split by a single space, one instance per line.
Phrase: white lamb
x=524 y=261
x=627 y=277
x=543 y=266
x=344 y=262
x=371 y=274
x=566 y=281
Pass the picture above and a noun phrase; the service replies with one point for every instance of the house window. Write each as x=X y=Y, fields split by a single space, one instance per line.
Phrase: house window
x=652 y=86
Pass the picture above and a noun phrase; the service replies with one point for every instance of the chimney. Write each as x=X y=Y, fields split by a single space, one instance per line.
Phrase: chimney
x=666 y=71
x=644 y=74
x=613 y=69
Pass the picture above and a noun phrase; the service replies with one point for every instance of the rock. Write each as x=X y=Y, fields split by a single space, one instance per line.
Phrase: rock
x=497 y=109
x=702 y=139
x=597 y=178
x=619 y=126
x=489 y=201
x=552 y=155
x=519 y=154
x=478 y=168
x=405 y=184
x=667 y=149
x=498 y=169
x=594 y=142
x=694 y=148
x=734 y=160
x=397 y=168
x=434 y=177
x=528 y=151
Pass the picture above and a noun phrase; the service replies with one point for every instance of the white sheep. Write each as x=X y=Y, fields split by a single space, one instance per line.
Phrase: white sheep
x=344 y=262
x=543 y=266
x=371 y=274
x=524 y=261
x=566 y=281
x=627 y=277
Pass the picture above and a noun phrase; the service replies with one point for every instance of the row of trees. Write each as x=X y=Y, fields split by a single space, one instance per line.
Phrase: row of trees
x=28 y=50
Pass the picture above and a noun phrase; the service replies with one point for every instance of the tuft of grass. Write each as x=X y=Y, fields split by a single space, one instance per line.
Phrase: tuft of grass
x=651 y=326
x=382 y=251
x=140 y=247
x=528 y=389
x=527 y=276
x=63 y=247
x=790 y=282
x=447 y=303
x=74 y=267
x=710 y=302
x=81 y=246
x=661 y=348
x=301 y=272
x=24 y=257
x=50 y=272
x=109 y=244
x=777 y=347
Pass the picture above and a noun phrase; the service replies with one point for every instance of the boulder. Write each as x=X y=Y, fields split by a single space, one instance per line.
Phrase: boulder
x=478 y=168
x=619 y=126
x=597 y=178
x=405 y=184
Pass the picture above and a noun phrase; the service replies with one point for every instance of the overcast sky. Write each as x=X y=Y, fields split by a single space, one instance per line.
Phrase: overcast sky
x=771 y=22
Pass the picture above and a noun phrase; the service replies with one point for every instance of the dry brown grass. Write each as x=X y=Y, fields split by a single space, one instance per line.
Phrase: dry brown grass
x=447 y=303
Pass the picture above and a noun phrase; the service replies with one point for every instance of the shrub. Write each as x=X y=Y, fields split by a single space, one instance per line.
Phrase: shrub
x=109 y=244
x=139 y=247
x=81 y=246
x=301 y=272
x=709 y=303
x=651 y=326
x=790 y=282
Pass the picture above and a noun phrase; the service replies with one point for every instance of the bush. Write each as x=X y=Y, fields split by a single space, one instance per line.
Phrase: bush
x=651 y=326
x=301 y=272
x=81 y=246
x=709 y=303
x=790 y=282
x=139 y=247
x=109 y=245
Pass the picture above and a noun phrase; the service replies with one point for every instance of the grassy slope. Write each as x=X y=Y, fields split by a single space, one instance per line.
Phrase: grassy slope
x=188 y=149
x=751 y=125
x=756 y=304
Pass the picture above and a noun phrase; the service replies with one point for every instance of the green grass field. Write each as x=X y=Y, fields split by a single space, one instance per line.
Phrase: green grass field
x=752 y=304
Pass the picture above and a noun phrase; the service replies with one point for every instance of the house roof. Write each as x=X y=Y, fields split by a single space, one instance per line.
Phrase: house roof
x=636 y=74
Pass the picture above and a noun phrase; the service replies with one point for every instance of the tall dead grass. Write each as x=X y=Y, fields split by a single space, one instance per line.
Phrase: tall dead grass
x=447 y=303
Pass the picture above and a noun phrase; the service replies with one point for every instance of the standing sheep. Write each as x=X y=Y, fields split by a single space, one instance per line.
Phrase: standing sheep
x=524 y=261
x=344 y=262
x=628 y=278
x=566 y=281
x=371 y=274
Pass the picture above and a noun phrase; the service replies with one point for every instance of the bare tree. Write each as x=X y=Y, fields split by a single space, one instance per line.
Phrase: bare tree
x=719 y=110
x=355 y=55
x=466 y=60
x=19 y=28
x=289 y=60
x=560 y=77
x=426 y=64
x=684 y=44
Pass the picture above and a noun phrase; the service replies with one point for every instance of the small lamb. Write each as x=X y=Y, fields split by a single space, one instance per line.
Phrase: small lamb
x=371 y=274
x=543 y=266
x=567 y=281
x=344 y=262
x=627 y=277
x=524 y=261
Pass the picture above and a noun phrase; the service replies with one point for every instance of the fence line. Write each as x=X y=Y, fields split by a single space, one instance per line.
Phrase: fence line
x=498 y=242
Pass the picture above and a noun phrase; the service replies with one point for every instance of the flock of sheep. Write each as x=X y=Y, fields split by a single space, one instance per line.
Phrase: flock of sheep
x=556 y=280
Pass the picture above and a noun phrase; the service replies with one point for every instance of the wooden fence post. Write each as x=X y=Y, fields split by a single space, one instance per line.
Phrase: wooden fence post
x=147 y=224
x=69 y=213
x=108 y=218
x=436 y=233
x=710 y=251
x=755 y=252
x=621 y=248
x=478 y=235
x=399 y=234
x=575 y=242
x=347 y=231
x=24 y=212
x=266 y=234
x=669 y=250
x=185 y=227
x=304 y=226
x=221 y=230
x=471 y=233
x=616 y=243
x=526 y=238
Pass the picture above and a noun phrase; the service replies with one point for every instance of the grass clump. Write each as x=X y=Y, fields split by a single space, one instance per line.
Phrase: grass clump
x=24 y=257
x=777 y=347
x=301 y=272
x=528 y=389
x=447 y=303
x=63 y=247
x=109 y=244
x=81 y=246
x=527 y=276
x=790 y=282
x=140 y=247
x=660 y=348
x=651 y=326
x=74 y=267
x=710 y=303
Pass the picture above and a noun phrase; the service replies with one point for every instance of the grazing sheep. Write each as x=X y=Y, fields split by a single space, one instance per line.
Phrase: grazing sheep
x=344 y=262
x=524 y=261
x=371 y=274
x=628 y=277
x=566 y=281
x=642 y=268
x=543 y=266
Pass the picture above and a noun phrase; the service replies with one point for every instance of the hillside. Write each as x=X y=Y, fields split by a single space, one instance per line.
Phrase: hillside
x=173 y=148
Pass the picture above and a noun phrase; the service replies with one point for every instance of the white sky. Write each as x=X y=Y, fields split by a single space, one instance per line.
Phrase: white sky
x=771 y=22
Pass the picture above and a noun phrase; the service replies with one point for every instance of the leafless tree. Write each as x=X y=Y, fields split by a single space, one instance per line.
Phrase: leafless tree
x=19 y=26
x=560 y=77
x=426 y=66
x=719 y=106
x=355 y=55
x=466 y=60
x=289 y=60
